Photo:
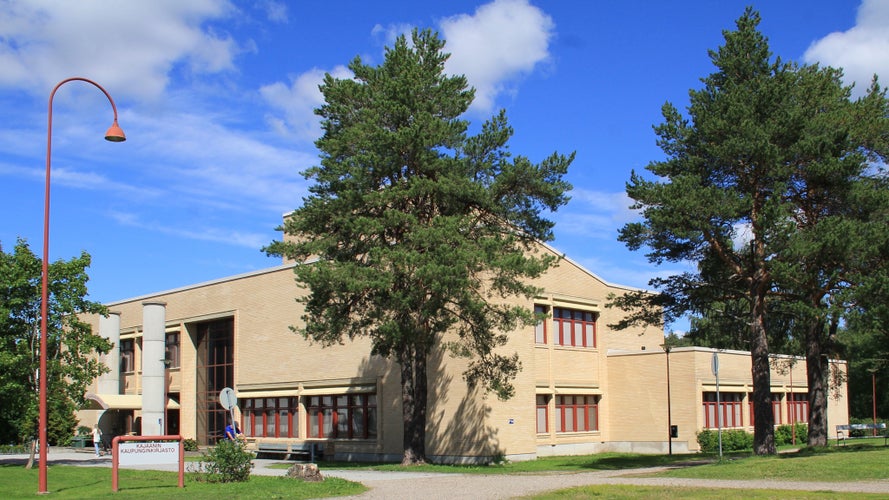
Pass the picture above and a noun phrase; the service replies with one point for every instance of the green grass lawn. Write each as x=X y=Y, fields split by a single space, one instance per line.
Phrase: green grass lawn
x=670 y=493
x=862 y=461
x=855 y=462
x=66 y=481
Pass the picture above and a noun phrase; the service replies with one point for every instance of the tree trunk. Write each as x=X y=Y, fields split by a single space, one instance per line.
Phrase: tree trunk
x=413 y=396
x=764 y=420
x=815 y=376
x=30 y=463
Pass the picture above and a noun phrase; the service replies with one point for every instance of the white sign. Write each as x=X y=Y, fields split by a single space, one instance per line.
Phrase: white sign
x=227 y=398
x=148 y=452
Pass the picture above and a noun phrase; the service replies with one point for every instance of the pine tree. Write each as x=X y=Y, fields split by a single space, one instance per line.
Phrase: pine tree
x=420 y=230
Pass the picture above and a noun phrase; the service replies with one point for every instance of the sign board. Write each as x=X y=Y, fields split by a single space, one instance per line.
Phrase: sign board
x=227 y=398
x=714 y=365
x=148 y=453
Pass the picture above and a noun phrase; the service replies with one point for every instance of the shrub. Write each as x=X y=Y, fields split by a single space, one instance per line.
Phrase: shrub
x=732 y=440
x=227 y=462
x=190 y=444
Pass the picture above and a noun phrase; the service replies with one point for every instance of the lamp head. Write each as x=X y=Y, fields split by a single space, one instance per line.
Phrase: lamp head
x=115 y=133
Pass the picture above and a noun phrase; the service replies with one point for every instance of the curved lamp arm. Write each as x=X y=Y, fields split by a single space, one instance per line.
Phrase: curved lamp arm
x=114 y=134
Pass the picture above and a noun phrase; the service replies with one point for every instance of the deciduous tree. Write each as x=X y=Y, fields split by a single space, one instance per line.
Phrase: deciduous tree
x=72 y=364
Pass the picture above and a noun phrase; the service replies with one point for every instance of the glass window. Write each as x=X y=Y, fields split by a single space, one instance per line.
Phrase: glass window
x=574 y=328
x=270 y=417
x=342 y=416
x=127 y=356
x=542 y=415
x=540 y=328
x=171 y=348
x=577 y=413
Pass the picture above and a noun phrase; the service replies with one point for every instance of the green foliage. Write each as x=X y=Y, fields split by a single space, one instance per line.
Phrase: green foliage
x=784 y=437
x=732 y=440
x=226 y=462
x=72 y=364
x=415 y=230
x=190 y=444
x=767 y=186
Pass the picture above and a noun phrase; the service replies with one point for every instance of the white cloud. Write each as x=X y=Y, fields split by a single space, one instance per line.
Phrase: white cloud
x=137 y=44
x=595 y=214
x=298 y=101
x=861 y=51
x=502 y=41
x=275 y=11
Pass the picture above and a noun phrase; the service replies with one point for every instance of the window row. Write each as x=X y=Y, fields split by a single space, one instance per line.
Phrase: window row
x=344 y=416
x=128 y=353
x=572 y=414
x=730 y=407
x=571 y=327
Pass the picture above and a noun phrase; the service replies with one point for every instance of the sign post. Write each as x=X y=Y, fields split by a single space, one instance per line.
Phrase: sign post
x=147 y=450
x=228 y=400
x=715 y=368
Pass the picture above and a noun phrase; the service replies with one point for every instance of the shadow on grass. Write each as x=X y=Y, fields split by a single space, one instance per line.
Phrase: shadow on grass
x=811 y=451
x=643 y=461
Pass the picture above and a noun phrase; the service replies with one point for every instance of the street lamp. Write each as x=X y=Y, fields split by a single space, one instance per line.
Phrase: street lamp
x=667 y=349
x=873 y=378
x=114 y=134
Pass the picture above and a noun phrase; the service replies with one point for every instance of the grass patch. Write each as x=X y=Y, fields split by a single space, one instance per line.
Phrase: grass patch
x=66 y=481
x=601 y=461
x=858 y=462
x=669 y=493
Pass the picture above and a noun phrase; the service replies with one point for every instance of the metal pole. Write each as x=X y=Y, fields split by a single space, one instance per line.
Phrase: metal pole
x=792 y=406
x=669 y=405
x=873 y=375
x=114 y=134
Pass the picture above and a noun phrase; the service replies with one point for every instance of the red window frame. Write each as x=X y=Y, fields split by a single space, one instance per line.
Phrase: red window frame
x=571 y=327
x=262 y=417
x=798 y=404
x=127 y=355
x=777 y=413
x=540 y=330
x=577 y=413
x=342 y=416
x=729 y=405
x=543 y=404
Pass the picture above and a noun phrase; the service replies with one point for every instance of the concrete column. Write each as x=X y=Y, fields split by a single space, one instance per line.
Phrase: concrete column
x=109 y=329
x=154 y=399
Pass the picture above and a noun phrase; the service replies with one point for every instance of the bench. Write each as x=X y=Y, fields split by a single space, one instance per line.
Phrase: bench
x=845 y=432
x=305 y=450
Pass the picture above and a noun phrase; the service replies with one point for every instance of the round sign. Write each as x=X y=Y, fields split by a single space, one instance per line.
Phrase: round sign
x=227 y=398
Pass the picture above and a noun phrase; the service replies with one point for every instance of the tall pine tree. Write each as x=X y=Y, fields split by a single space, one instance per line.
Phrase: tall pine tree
x=756 y=183
x=419 y=230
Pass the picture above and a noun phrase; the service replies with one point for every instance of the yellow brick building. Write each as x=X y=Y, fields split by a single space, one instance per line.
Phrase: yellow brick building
x=583 y=387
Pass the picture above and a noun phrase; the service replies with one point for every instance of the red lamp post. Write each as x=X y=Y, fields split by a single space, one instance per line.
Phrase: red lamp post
x=873 y=378
x=114 y=134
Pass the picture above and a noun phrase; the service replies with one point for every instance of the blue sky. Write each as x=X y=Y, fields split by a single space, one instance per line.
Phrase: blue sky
x=216 y=99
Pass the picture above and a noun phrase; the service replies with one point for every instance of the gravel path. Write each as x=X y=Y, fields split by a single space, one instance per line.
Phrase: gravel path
x=476 y=487
x=411 y=485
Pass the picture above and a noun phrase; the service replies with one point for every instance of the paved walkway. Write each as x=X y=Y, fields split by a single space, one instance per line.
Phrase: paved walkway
x=425 y=485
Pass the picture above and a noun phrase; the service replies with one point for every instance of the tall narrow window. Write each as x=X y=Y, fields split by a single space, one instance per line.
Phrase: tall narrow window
x=215 y=371
x=542 y=414
x=127 y=356
x=171 y=348
x=540 y=328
